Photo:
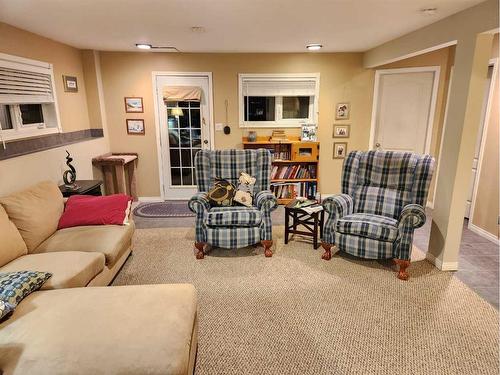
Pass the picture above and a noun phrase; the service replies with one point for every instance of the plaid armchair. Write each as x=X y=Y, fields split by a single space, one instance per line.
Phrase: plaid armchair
x=383 y=200
x=235 y=226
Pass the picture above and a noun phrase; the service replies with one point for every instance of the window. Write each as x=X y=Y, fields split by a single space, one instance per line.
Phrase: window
x=278 y=100
x=27 y=98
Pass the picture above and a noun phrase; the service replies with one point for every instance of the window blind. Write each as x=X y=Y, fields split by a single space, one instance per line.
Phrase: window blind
x=18 y=86
x=277 y=87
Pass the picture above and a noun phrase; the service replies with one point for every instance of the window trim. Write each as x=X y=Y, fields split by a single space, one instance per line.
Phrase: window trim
x=22 y=63
x=279 y=122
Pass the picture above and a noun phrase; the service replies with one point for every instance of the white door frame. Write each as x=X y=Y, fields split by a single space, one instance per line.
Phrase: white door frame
x=435 y=86
x=161 y=156
x=471 y=226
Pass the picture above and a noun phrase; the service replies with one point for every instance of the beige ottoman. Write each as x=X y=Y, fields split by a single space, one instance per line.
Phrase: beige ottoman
x=143 y=329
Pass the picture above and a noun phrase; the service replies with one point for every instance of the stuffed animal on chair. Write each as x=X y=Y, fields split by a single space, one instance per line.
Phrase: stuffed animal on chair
x=244 y=194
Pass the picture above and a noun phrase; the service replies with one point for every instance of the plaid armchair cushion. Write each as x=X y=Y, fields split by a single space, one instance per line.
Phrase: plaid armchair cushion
x=368 y=225
x=233 y=216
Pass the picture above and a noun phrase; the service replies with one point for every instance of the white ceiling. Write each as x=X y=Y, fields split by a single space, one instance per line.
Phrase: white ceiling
x=230 y=25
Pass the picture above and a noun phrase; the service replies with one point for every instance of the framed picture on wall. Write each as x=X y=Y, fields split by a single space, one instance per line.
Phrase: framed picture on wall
x=134 y=105
x=339 y=150
x=70 y=84
x=135 y=127
x=342 y=111
x=341 y=131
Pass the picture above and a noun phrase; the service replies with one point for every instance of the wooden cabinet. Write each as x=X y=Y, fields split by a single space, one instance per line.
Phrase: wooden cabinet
x=305 y=151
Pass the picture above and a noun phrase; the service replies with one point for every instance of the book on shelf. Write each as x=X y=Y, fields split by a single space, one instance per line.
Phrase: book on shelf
x=278 y=136
x=288 y=190
x=295 y=171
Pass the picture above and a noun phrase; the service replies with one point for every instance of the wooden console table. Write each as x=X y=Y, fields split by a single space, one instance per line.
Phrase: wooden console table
x=118 y=166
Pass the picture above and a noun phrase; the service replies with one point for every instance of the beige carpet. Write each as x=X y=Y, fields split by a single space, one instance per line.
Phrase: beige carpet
x=296 y=314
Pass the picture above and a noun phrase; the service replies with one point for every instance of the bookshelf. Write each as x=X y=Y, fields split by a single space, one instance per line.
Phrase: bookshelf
x=295 y=166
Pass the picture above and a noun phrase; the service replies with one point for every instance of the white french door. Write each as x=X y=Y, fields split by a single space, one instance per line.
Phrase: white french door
x=185 y=128
x=403 y=109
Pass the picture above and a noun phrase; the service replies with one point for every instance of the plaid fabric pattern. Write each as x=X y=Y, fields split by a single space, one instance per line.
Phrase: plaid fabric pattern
x=232 y=237
x=233 y=230
x=337 y=207
x=368 y=225
x=392 y=185
x=233 y=216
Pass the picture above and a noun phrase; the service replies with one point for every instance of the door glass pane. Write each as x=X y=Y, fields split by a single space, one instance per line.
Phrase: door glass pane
x=184 y=129
x=259 y=108
x=296 y=107
x=186 y=158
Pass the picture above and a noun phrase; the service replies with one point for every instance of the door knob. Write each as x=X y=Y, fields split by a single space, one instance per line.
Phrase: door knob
x=377 y=145
x=205 y=141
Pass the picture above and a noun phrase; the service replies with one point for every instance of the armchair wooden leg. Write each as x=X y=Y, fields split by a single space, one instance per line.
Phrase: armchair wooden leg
x=403 y=265
x=267 y=247
x=327 y=255
x=199 y=246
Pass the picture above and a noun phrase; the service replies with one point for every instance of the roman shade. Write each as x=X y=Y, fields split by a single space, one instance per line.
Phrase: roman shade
x=182 y=93
x=23 y=83
x=278 y=87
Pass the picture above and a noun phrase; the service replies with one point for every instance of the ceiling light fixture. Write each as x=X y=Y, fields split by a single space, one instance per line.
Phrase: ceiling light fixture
x=314 y=47
x=428 y=11
x=143 y=46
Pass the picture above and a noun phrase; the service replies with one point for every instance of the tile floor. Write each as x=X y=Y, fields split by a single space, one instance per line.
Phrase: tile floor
x=478 y=259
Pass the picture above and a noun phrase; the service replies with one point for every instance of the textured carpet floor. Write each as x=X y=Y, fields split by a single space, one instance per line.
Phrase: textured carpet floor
x=296 y=314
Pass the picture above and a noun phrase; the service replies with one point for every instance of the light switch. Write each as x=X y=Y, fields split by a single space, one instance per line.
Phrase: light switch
x=218 y=127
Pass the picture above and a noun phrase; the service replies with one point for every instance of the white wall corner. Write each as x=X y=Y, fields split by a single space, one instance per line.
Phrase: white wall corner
x=443 y=266
x=483 y=233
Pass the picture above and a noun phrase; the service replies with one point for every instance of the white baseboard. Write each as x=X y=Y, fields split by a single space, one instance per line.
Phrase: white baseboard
x=443 y=266
x=150 y=199
x=483 y=233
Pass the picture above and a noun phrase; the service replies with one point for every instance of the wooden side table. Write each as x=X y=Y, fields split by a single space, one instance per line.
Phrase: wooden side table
x=312 y=223
x=115 y=165
x=85 y=187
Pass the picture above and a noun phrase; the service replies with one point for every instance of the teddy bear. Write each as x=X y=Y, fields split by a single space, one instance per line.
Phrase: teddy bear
x=244 y=194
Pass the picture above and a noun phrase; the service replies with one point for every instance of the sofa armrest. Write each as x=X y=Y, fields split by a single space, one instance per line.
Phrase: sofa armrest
x=266 y=201
x=412 y=214
x=340 y=205
x=199 y=203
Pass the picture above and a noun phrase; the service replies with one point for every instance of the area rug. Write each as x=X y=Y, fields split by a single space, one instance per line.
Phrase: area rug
x=297 y=314
x=163 y=209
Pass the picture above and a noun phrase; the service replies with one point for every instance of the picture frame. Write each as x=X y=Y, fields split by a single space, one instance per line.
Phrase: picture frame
x=309 y=133
x=70 y=83
x=135 y=127
x=134 y=104
x=342 y=111
x=339 y=150
x=341 y=131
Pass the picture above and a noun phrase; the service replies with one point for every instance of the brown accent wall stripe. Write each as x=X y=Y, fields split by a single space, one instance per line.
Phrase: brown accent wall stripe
x=37 y=144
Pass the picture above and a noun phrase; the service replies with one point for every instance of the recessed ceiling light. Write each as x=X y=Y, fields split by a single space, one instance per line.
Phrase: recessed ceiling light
x=429 y=11
x=143 y=46
x=314 y=47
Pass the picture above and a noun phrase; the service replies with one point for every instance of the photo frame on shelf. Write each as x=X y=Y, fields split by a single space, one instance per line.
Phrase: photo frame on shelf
x=339 y=150
x=70 y=83
x=309 y=133
x=342 y=111
x=341 y=131
x=135 y=127
x=134 y=105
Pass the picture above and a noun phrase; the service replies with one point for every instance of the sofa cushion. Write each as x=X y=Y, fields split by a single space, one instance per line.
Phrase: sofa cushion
x=69 y=269
x=237 y=216
x=14 y=286
x=111 y=240
x=140 y=329
x=35 y=212
x=12 y=245
x=5 y=309
x=368 y=225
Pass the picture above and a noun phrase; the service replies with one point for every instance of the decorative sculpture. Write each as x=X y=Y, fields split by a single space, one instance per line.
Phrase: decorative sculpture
x=69 y=176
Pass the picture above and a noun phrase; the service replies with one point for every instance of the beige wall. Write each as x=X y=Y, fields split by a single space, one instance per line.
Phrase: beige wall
x=444 y=59
x=20 y=172
x=486 y=207
x=65 y=59
x=342 y=79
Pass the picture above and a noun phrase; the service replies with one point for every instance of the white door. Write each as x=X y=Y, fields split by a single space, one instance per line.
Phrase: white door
x=185 y=129
x=479 y=140
x=404 y=104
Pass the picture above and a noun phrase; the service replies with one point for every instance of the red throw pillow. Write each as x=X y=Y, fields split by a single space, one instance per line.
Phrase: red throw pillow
x=90 y=210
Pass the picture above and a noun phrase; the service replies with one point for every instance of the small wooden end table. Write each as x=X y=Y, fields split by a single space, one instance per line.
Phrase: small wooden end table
x=85 y=187
x=313 y=223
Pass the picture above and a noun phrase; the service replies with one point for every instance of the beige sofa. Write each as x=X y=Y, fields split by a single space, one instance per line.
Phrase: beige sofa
x=68 y=328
